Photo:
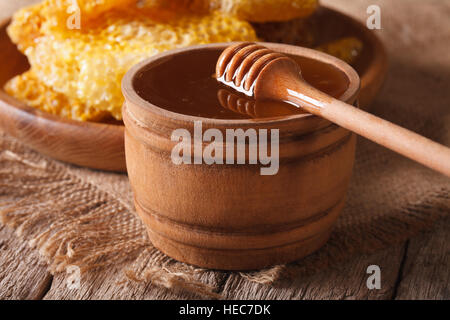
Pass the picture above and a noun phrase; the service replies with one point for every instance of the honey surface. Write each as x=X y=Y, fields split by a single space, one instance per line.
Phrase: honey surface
x=185 y=84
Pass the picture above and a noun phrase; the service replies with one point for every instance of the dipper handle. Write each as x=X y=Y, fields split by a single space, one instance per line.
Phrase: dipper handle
x=387 y=134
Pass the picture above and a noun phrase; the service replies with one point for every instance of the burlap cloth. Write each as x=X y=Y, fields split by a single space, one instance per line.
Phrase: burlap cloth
x=76 y=216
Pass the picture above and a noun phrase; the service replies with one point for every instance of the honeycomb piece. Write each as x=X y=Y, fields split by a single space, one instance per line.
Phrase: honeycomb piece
x=193 y=6
x=60 y=10
x=248 y=10
x=266 y=10
x=90 y=7
x=28 y=89
x=26 y=25
x=347 y=49
x=88 y=65
x=52 y=17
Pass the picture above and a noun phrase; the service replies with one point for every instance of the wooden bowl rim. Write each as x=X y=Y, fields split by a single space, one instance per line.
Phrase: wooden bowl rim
x=24 y=108
x=133 y=97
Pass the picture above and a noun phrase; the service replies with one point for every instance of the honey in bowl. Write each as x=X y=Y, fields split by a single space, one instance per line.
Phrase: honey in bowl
x=185 y=83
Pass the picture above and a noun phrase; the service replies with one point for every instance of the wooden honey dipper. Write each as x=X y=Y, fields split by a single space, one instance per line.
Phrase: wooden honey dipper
x=266 y=75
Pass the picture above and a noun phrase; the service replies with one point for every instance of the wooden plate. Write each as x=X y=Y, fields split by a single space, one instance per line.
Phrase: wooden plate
x=100 y=145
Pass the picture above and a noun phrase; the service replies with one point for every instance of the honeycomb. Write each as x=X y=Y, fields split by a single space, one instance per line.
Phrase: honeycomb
x=248 y=10
x=266 y=10
x=77 y=73
x=89 y=7
x=87 y=65
x=347 y=49
x=26 y=26
x=30 y=90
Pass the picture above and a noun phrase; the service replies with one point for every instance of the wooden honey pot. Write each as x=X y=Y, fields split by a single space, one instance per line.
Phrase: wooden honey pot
x=230 y=216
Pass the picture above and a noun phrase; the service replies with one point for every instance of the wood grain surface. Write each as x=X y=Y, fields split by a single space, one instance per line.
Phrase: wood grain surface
x=22 y=273
x=426 y=268
x=418 y=268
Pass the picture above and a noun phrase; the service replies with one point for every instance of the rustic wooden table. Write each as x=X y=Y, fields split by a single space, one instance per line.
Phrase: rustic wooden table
x=416 y=269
